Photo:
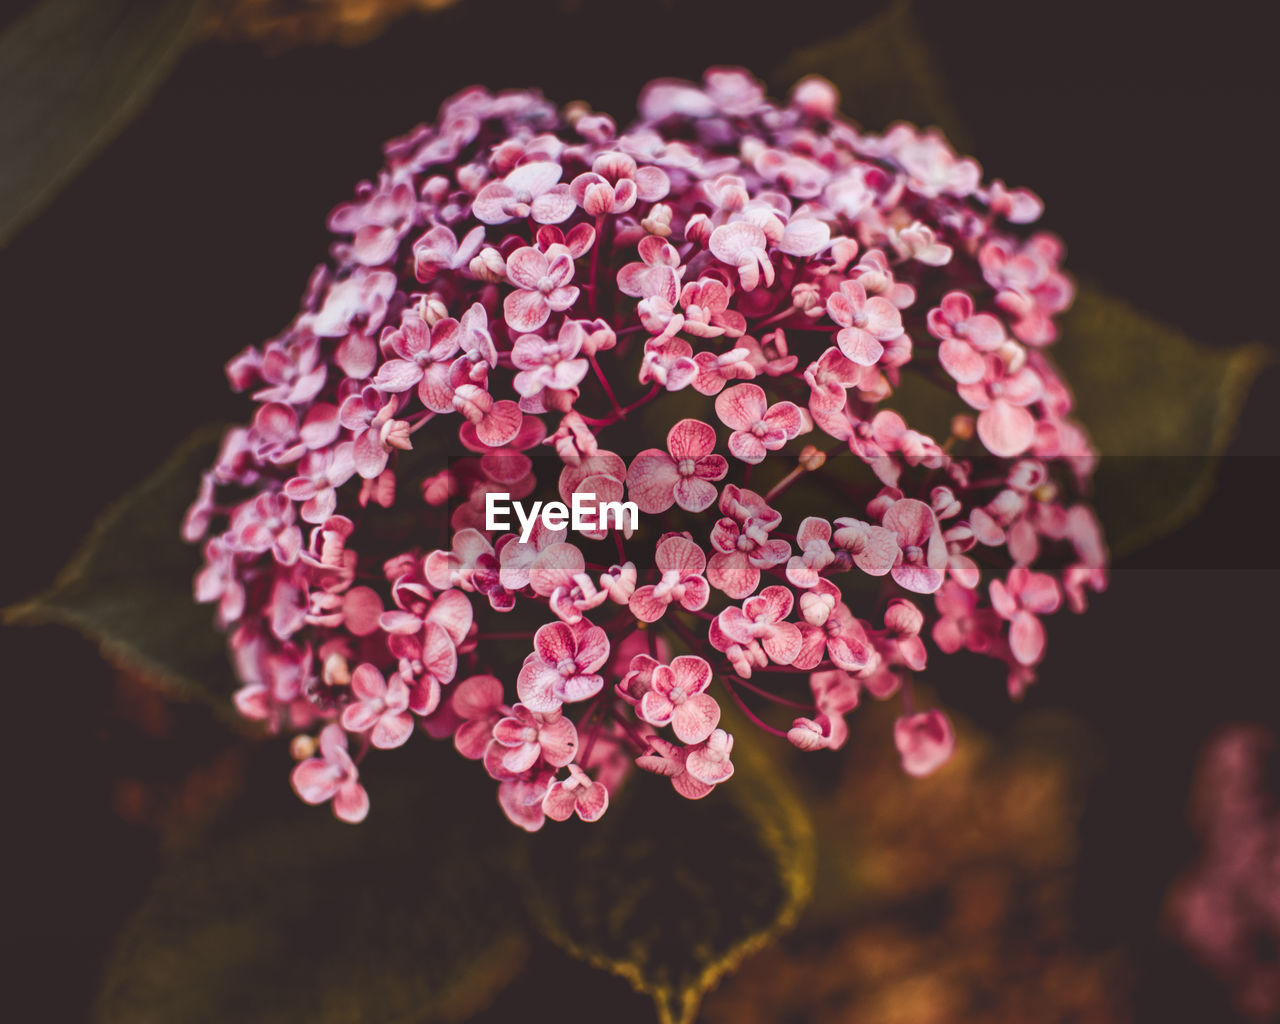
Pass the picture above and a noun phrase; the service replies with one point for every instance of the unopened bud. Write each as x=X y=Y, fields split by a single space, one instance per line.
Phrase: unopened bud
x=395 y=434
x=336 y=670
x=302 y=747
x=815 y=96
x=659 y=221
x=432 y=309
x=962 y=427
x=488 y=265
x=1013 y=355
x=576 y=110
x=812 y=457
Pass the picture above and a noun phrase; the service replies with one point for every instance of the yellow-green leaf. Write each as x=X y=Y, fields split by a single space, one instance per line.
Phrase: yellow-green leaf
x=672 y=894
x=408 y=917
x=72 y=74
x=129 y=588
x=1159 y=407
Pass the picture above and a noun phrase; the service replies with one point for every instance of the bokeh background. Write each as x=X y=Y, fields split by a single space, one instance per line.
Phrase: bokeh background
x=1046 y=874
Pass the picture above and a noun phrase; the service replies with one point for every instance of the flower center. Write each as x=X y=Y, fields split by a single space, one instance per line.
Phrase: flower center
x=686 y=467
x=567 y=668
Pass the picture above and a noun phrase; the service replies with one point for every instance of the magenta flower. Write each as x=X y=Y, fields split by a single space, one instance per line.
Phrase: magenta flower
x=1020 y=600
x=544 y=288
x=865 y=323
x=681 y=563
x=925 y=742
x=381 y=708
x=319 y=475
x=657 y=480
x=563 y=666
x=757 y=426
x=332 y=776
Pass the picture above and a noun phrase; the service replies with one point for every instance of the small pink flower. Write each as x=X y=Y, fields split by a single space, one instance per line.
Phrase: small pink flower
x=477 y=701
x=669 y=759
x=656 y=276
x=542 y=288
x=757 y=426
x=743 y=246
x=681 y=563
x=865 y=323
x=925 y=741
x=962 y=624
x=1019 y=600
x=706 y=310
x=563 y=666
x=708 y=761
x=523 y=737
x=439 y=250
x=965 y=336
x=656 y=480
x=903 y=622
x=669 y=363
x=760 y=619
x=676 y=696
x=319 y=475
x=332 y=776
x=381 y=708
x=742 y=543
x=924 y=553
x=873 y=549
x=1004 y=425
x=577 y=794
x=546 y=364
x=531 y=190
x=814 y=539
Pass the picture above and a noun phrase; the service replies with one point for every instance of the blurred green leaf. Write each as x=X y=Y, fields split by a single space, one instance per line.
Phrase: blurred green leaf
x=672 y=894
x=884 y=71
x=129 y=588
x=409 y=916
x=72 y=74
x=1160 y=409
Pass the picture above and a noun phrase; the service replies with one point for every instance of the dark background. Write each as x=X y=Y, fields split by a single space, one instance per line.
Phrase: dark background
x=1149 y=133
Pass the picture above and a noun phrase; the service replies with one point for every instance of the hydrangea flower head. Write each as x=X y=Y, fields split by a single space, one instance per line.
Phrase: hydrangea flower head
x=711 y=313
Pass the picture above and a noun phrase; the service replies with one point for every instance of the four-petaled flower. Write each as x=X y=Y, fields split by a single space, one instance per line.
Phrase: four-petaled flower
x=381 y=707
x=681 y=563
x=865 y=323
x=563 y=666
x=332 y=776
x=657 y=480
x=757 y=426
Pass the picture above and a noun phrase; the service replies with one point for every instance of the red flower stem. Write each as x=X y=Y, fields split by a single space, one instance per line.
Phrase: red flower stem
x=618 y=412
x=755 y=719
x=774 y=697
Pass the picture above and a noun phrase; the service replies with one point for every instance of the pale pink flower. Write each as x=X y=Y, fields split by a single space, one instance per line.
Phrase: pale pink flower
x=439 y=250
x=1004 y=424
x=761 y=619
x=563 y=666
x=656 y=276
x=925 y=741
x=814 y=540
x=757 y=426
x=656 y=480
x=381 y=708
x=524 y=736
x=866 y=323
x=924 y=552
x=332 y=776
x=681 y=563
x=743 y=246
x=576 y=794
x=965 y=336
x=708 y=761
x=1020 y=599
x=542 y=288
x=676 y=696
x=477 y=702
x=531 y=190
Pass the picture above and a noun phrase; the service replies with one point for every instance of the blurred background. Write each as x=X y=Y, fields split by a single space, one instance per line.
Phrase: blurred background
x=1127 y=867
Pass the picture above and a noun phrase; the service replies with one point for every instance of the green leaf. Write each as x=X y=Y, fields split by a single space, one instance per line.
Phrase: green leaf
x=672 y=894
x=72 y=74
x=1159 y=407
x=884 y=71
x=129 y=588
x=409 y=916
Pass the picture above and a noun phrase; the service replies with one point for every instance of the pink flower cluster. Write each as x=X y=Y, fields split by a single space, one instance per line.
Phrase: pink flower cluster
x=523 y=281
